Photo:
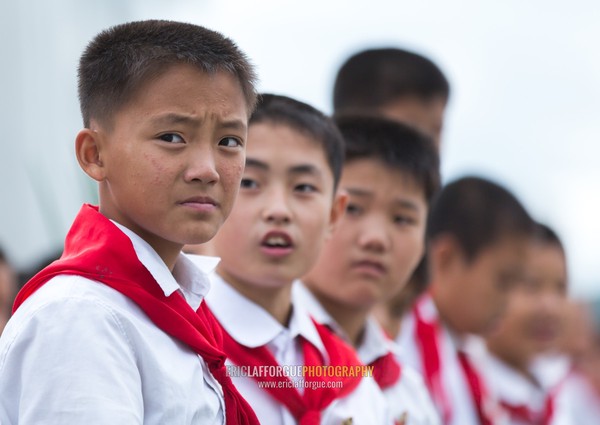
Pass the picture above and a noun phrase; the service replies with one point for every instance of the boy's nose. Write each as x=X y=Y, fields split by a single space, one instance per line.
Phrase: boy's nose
x=374 y=236
x=277 y=209
x=202 y=168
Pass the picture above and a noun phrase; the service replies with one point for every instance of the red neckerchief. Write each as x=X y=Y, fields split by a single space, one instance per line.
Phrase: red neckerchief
x=97 y=250
x=386 y=369
x=477 y=388
x=523 y=413
x=427 y=334
x=307 y=407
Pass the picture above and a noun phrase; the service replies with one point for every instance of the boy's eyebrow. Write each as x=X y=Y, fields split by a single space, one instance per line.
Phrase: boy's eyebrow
x=296 y=169
x=175 y=118
x=403 y=203
x=251 y=162
x=237 y=125
x=305 y=169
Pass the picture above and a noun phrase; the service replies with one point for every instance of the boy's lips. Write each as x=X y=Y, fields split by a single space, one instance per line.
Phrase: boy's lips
x=370 y=267
x=276 y=243
x=200 y=203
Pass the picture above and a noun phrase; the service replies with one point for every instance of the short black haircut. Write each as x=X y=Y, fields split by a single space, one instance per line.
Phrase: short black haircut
x=119 y=60
x=304 y=118
x=477 y=213
x=374 y=78
x=397 y=145
x=547 y=236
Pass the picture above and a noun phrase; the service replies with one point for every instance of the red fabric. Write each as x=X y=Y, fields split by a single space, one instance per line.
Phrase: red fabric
x=427 y=343
x=525 y=414
x=307 y=407
x=96 y=249
x=478 y=391
x=386 y=370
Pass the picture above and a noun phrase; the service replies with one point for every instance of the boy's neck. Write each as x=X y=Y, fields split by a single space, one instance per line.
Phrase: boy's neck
x=277 y=301
x=352 y=321
x=445 y=314
x=512 y=359
x=167 y=251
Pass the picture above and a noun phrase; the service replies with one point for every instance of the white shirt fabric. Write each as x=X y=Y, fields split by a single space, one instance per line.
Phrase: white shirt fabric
x=453 y=378
x=79 y=352
x=510 y=386
x=582 y=401
x=252 y=326
x=408 y=398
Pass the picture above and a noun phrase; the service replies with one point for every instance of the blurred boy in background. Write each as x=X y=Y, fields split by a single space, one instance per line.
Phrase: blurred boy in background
x=477 y=236
x=529 y=330
x=396 y=83
x=404 y=86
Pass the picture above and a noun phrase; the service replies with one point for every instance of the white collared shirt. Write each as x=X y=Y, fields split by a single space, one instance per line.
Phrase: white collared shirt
x=408 y=397
x=252 y=326
x=510 y=386
x=452 y=376
x=79 y=352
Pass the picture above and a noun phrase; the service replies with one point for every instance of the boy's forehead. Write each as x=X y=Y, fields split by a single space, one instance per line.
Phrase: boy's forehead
x=379 y=172
x=272 y=144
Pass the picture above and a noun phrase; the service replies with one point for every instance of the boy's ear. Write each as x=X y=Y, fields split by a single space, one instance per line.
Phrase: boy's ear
x=87 y=150
x=338 y=208
x=444 y=252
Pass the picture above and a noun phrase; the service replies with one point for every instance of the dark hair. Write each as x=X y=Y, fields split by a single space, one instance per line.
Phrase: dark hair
x=396 y=145
x=277 y=109
x=374 y=78
x=547 y=236
x=478 y=213
x=119 y=60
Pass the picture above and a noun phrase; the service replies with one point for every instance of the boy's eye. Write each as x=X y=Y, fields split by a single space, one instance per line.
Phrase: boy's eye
x=403 y=219
x=305 y=188
x=171 y=138
x=353 y=209
x=248 y=184
x=230 y=142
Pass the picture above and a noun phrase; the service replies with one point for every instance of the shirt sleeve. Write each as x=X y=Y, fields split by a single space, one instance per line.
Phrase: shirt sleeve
x=68 y=361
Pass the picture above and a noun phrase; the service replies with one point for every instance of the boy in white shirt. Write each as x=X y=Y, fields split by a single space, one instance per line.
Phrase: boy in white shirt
x=477 y=235
x=390 y=173
x=285 y=210
x=114 y=331
x=514 y=368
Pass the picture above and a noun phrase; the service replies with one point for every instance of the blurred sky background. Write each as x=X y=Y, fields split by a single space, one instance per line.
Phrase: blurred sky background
x=524 y=109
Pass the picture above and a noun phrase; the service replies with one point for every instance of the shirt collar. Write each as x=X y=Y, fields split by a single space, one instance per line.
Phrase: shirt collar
x=375 y=343
x=258 y=327
x=510 y=385
x=189 y=274
x=302 y=296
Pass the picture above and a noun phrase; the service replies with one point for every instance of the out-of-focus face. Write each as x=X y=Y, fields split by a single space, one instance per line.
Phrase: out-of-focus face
x=170 y=164
x=378 y=242
x=7 y=292
x=534 y=315
x=425 y=115
x=283 y=212
x=478 y=290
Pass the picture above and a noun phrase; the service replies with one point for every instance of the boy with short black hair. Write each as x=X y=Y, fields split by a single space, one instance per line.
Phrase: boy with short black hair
x=477 y=236
x=285 y=210
x=396 y=83
x=115 y=331
x=404 y=86
x=520 y=367
x=390 y=174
